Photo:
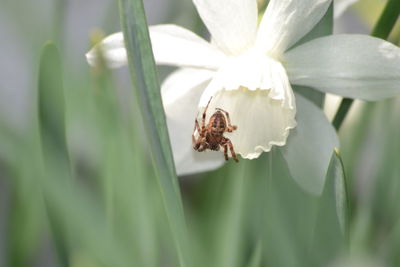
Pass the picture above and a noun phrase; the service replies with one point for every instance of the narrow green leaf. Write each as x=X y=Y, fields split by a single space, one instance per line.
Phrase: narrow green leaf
x=51 y=102
x=25 y=220
x=336 y=170
x=51 y=108
x=331 y=226
x=256 y=257
x=280 y=214
x=147 y=91
x=82 y=224
x=287 y=214
x=122 y=174
x=229 y=231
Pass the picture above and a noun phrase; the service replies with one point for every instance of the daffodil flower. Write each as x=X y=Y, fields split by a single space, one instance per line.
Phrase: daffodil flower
x=248 y=69
x=342 y=5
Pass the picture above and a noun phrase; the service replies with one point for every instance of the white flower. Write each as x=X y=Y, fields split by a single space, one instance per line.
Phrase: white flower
x=247 y=68
x=342 y=5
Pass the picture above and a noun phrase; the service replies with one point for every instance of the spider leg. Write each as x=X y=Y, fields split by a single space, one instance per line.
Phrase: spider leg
x=227 y=142
x=203 y=124
x=203 y=145
x=226 y=151
x=230 y=127
x=196 y=127
x=196 y=143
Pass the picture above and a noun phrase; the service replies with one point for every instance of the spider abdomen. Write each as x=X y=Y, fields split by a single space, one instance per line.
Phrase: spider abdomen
x=214 y=141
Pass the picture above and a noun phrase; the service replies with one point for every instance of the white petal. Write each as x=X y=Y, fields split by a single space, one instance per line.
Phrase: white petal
x=356 y=66
x=253 y=70
x=261 y=120
x=112 y=48
x=232 y=23
x=286 y=21
x=310 y=146
x=172 y=45
x=180 y=92
x=341 y=6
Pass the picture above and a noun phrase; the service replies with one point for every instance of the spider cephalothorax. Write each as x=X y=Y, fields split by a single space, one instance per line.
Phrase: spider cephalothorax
x=211 y=136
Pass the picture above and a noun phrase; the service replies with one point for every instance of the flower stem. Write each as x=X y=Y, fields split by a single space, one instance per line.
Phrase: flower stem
x=344 y=108
x=382 y=30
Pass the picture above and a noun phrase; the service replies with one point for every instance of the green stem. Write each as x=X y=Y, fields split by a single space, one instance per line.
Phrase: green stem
x=382 y=30
x=387 y=20
x=344 y=108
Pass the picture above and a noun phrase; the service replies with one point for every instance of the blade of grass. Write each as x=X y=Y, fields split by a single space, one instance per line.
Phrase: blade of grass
x=25 y=217
x=76 y=221
x=381 y=30
x=256 y=257
x=280 y=213
x=51 y=108
x=82 y=223
x=230 y=228
x=282 y=202
x=331 y=226
x=51 y=104
x=123 y=175
x=147 y=90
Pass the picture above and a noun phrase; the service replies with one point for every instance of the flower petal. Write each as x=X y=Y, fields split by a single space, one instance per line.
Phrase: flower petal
x=180 y=93
x=252 y=70
x=355 y=66
x=261 y=120
x=285 y=22
x=172 y=45
x=112 y=49
x=310 y=146
x=341 y=6
x=232 y=23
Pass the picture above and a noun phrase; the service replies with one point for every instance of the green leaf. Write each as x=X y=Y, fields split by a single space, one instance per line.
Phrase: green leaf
x=147 y=91
x=25 y=219
x=256 y=257
x=288 y=213
x=331 y=228
x=82 y=224
x=51 y=102
x=309 y=146
x=51 y=105
x=123 y=176
x=229 y=230
x=77 y=224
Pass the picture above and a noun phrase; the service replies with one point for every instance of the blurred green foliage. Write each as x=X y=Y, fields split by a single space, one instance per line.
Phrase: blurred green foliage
x=82 y=180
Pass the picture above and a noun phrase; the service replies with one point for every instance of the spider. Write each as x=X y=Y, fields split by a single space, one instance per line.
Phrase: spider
x=211 y=136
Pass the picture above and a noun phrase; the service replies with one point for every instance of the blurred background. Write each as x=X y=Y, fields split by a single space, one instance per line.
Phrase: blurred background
x=94 y=201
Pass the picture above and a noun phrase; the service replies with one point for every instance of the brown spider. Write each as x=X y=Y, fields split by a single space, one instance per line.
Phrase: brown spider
x=212 y=136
